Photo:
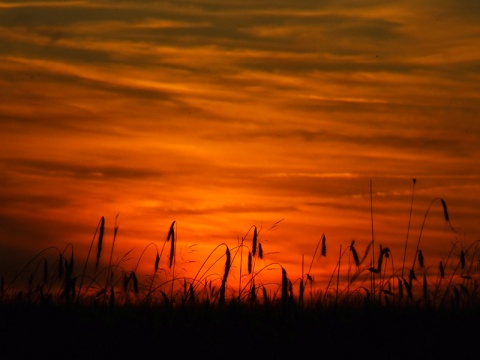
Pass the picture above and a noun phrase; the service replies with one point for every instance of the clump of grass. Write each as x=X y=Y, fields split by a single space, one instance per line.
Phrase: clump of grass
x=53 y=279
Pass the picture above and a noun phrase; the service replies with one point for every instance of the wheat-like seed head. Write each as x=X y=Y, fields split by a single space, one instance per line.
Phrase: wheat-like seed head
x=324 y=246
x=100 y=240
x=285 y=284
x=254 y=241
x=442 y=271
x=171 y=236
x=157 y=262
x=420 y=259
x=354 y=254
x=445 y=212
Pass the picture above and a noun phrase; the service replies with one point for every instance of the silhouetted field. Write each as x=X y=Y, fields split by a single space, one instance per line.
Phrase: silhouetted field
x=235 y=331
x=55 y=309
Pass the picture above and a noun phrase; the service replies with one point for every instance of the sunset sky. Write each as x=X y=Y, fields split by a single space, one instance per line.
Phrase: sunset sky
x=221 y=115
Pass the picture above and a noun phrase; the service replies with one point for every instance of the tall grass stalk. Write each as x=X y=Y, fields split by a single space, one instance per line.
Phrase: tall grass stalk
x=372 y=274
x=225 y=276
x=335 y=272
x=100 y=241
x=447 y=219
x=457 y=281
x=197 y=280
x=338 y=274
x=241 y=267
x=109 y=268
x=102 y=221
x=408 y=227
x=171 y=238
x=321 y=241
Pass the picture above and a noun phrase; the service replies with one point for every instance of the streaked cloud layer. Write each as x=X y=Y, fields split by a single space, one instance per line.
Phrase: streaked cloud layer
x=225 y=114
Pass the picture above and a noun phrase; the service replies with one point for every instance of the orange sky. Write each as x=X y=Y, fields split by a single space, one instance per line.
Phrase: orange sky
x=221 y=115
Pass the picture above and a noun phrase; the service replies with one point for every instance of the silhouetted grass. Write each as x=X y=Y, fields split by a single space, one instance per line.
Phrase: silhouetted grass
x=49 y=309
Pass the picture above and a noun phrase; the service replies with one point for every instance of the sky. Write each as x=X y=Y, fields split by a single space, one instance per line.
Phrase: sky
x=299 y=119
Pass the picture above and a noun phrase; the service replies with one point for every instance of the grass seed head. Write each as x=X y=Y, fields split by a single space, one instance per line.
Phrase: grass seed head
x=445 y=211
x=171 y=236
x=221 y=300
x=324 y=246
x=408 y=287
x=442 y=271
x=100 y=240
x=157 y=261
x=412 y=275
x=354 y=254
x=265 y=295
x=284 y=285
x=171 y=232
x=420 y=259
x=227 y=264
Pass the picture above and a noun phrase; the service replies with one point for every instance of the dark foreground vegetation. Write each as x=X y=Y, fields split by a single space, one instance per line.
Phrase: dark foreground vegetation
x=55 y=309
x=235 y=331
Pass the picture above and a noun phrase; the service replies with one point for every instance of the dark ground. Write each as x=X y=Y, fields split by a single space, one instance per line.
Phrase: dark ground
x=235 y=332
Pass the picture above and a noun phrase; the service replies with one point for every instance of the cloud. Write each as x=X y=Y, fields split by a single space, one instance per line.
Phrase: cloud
x=224 y=113
x=79 y=171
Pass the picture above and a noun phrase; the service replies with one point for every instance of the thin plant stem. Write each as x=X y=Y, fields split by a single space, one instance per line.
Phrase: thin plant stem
x=372 y=274
x=115 y=230
x=408 y=227
x=88 y=256
x=338 y=274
